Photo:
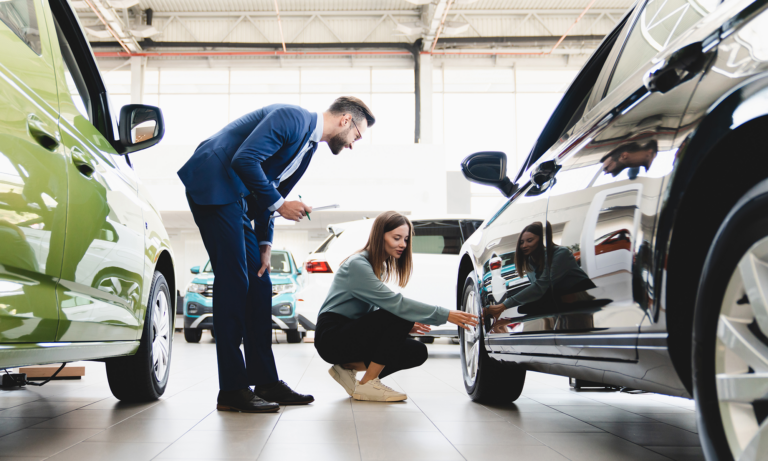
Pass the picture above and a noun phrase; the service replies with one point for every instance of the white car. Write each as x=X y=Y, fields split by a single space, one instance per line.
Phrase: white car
x=436 y=246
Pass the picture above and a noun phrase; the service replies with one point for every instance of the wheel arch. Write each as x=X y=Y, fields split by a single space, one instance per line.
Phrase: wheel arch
x=465 y=268
x=705 y=185
x=164 y=265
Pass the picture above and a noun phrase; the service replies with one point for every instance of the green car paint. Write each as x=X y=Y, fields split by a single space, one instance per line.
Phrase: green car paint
x=80 y=240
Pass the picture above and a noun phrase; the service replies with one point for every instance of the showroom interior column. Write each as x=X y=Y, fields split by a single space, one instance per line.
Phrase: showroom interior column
x=425 y=99
x=138 y=65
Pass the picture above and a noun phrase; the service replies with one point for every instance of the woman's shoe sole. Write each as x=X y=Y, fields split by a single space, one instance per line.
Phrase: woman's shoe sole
x=335 y=375
x=228 y=408
x=390 y=399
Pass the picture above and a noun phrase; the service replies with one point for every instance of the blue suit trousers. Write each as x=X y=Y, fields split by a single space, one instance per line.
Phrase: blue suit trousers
x=242 y=301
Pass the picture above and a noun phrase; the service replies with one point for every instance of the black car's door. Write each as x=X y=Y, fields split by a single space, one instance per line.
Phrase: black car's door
x=613 y=167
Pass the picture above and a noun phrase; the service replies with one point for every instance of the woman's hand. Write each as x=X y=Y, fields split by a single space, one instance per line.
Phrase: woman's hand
x=420 y=329
x=494 y=310
x=462 y=319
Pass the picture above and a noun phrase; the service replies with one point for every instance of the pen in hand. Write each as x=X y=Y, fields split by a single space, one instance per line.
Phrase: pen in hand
x=302 y=201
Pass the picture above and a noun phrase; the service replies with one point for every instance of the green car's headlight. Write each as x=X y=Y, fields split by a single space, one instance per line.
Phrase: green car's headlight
x=285 y=288
x=196 y=288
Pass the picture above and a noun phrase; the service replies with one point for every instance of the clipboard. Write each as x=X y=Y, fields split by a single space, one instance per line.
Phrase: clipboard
x=317 y=208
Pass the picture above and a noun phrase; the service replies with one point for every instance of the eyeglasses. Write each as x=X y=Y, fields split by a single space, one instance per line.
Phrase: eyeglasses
x=359 y=136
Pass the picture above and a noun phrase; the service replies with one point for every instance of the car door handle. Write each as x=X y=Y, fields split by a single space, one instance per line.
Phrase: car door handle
x=681 y=65
x=40 y=134
x=82 y=163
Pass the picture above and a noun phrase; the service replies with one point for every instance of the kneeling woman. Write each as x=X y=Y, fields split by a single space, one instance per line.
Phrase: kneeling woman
x=365 y=326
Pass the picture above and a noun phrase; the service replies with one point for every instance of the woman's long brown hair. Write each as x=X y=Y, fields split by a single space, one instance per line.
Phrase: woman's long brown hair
x=522 y=264
x=385 y=266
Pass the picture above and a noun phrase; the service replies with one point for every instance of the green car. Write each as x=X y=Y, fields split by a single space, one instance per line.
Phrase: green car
x=86 y=268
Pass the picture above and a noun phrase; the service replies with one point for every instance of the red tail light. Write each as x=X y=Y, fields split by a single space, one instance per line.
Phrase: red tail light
x=318 y=267
x=495 y=264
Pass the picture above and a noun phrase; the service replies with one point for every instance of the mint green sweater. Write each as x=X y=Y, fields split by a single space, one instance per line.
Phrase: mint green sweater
x=357 y=291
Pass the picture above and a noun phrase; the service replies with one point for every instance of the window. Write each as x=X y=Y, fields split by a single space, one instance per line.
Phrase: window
x=326 y=245
x=208 y=267
x=75 y=81
x=21 y=18
x=436 y=237
x=660 y=22
x=279 y=264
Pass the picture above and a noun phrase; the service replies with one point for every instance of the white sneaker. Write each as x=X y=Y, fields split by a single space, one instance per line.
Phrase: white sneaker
x=376 y=391
x=347 y=378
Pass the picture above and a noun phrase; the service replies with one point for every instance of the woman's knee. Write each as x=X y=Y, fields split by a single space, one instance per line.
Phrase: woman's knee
x=417 y=352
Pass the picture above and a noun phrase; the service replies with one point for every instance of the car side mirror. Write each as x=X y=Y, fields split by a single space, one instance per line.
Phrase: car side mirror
x=298 y=272
x=195 y=269
x=140 y=126
x=489 y=169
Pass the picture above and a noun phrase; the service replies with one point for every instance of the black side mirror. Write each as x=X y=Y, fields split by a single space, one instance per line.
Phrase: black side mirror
x=140 y=126
x=489 y=169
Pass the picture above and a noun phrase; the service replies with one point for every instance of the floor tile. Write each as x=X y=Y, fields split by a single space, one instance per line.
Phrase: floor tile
x=509 y=453
x=685 y=421
x=41 y=409
x=113 y=451
x=485 y=433
x=314 y=432
x=217 y=445
x=548 y=422
x=681 y=453
x=42 y=442
x=407 y=446
x=318 y=413
x=597 y=447
x=652 y=434
x=10 y=425
x=310 y=452
x=602 y=413
x=86 y=419
x=390 y=422
x=145 y=431
x=232 y=421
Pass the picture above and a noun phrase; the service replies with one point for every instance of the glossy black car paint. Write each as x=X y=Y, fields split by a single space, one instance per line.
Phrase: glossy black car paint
x=641 y=337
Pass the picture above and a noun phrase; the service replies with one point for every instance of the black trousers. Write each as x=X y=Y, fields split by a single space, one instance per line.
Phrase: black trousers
x=380 y=337
x=242 y=307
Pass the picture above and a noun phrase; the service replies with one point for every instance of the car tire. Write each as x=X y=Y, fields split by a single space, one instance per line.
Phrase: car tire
x=144 y=376
x=193 y=335
x=426 y=339
x=730 y=334
x=486 y=380
x=293 y=336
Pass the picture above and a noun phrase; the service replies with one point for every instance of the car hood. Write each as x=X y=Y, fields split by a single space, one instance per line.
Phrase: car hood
x=203 y=279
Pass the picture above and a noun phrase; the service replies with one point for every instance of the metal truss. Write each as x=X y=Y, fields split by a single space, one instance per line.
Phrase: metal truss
x=548 y=22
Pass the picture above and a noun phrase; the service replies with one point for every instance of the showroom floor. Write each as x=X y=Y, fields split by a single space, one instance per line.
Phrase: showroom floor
x=80 y=420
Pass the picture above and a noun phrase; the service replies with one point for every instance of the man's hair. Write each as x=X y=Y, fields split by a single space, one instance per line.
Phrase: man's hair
x=631 y=148
x=353 y=106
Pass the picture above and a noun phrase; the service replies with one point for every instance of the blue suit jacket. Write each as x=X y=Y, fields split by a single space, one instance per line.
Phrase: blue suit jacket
x=245 y=157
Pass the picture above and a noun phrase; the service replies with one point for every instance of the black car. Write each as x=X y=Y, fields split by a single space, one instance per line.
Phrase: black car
x=633 y=248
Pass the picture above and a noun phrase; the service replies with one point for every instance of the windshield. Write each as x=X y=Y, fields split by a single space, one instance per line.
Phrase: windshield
x=279 y=264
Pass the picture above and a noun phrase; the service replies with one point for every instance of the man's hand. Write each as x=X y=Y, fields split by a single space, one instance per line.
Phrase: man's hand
x=294 y=210
x=420 y=329
x=266 y=257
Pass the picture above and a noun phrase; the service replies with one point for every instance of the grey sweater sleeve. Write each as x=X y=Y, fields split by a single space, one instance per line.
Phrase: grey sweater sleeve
x=366 y=287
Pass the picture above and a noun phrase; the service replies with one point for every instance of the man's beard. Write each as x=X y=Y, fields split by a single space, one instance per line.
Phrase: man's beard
x=337 y=143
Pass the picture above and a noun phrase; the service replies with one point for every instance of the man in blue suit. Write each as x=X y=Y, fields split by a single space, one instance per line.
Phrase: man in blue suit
x=242 y=174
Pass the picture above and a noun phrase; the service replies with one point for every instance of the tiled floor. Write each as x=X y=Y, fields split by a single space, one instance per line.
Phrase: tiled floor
x=80 y=420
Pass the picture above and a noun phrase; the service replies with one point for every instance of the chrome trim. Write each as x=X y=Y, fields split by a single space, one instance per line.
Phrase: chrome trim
x=199 y=320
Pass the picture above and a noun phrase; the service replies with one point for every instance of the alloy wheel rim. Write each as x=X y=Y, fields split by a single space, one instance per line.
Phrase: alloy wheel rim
x=161 y=337
x=741 y=356
x=471 y=342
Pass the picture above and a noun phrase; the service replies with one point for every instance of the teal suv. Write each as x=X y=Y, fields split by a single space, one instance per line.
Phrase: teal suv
x=286 y=282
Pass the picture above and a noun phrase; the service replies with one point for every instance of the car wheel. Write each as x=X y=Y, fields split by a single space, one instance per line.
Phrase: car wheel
x=144 y=376
x=426 y=339
x=486 y=380
x=193 y=335
x=293 y=336
x=730 y=335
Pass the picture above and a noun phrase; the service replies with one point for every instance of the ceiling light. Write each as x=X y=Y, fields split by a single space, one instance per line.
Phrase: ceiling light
x=411 y=28
x=144 y=31
x=455 y=28
x=123 y=3
x=98 y=31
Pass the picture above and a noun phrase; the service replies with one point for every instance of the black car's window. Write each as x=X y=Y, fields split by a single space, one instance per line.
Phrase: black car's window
x=658 y=24
x=437 y=237
x=279 y=264
x=75 y=81
x=21 y=18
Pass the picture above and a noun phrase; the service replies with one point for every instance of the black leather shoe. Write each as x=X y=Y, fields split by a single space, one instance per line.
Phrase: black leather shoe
x=244 y=400
x=279 y=392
